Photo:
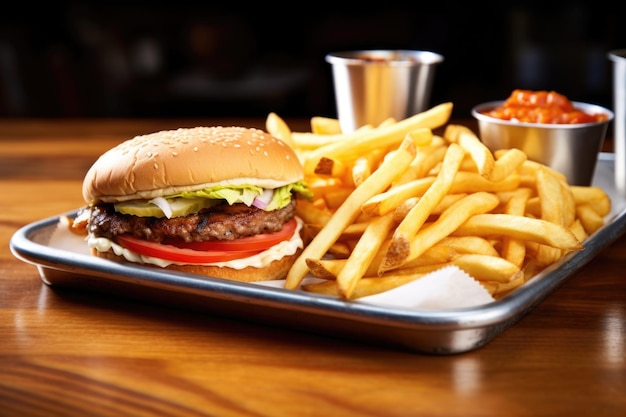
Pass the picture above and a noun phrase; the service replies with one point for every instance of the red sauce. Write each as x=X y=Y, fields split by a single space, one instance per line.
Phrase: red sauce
x=542 y=107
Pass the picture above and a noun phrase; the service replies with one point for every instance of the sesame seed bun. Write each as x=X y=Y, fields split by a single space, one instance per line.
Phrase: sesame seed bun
x=188 y=159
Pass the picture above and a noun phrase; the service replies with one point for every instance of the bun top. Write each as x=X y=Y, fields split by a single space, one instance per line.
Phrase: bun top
x=187 y=159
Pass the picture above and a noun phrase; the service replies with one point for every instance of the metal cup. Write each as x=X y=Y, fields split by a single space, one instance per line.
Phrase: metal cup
x=373 y=85
x=618 y=57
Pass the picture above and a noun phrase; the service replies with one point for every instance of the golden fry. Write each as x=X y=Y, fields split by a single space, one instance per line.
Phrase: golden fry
x=325 y=125
x=508 y=161
x=469 y=244
x=360 y=143
x=529 y=229
x=387 y=201
x=403 y=209
x=325 y=268
x=594 y=196
x=330 y=167
x=487 y=268
x=404 y=249
x=471 y=182
x=482 y=156
x=416 y=217
x=363 y=254
x=589 y=218
x=514 y=249
x=276 y=126
x=366 y=286
x=364 y=165
x=438 y=254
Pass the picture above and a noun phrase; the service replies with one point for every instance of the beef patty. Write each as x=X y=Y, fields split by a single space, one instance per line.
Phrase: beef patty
x=221 y=222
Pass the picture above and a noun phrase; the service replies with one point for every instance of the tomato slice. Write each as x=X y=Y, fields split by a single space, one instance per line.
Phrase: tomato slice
x=208 y=252
x=249 y=243
x=175 y=254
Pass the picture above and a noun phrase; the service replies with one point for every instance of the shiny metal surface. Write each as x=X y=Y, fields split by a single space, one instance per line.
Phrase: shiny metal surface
x=568 y=148
x=373 y=85
x=619 y=107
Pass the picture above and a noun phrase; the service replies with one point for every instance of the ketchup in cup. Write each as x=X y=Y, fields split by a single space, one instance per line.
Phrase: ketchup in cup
x=542 y=107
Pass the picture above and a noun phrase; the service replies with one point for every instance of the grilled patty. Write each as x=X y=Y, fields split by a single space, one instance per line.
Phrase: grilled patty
x=221 y=222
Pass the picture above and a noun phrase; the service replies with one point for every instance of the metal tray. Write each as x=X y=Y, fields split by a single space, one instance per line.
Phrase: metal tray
x=439 y=332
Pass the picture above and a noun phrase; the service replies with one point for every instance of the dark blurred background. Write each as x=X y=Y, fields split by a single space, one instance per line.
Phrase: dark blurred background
x=195 y=59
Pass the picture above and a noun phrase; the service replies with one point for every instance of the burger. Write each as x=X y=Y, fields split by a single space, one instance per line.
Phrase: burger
x=214 y=201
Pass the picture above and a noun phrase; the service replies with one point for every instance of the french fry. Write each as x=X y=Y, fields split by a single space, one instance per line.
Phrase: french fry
x=416 y=217
x=589 y=218
x=529 y=169
x=469 y=244
x=350 y=210
x=513 y=249
x=503 y=288
x=526 y=228
x=426 y=159
x=335 y=198
x=486 y=267
x=569 y=204
x=325 y=125
x=363 y=254
x=403 y=209
x=312 y=214
x=339 y=249
x=554 y=208
x=404 y=249
x=594 y=196
x=325 y=268
x=277 y=127
x=481 y=155
x=364 y=165
x=440 y=253
x=387 y=201
x=578 y=230
x=471 y=182
x=330 y=167
x=550 y=197
x=507 y=162
x=359 y=143
x=366 y=286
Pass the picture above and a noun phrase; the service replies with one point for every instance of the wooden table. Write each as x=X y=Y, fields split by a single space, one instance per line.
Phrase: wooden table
x=76 y=353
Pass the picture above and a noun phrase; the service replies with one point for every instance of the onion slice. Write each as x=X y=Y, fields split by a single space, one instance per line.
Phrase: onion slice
x=164 y=205
x=263 y=200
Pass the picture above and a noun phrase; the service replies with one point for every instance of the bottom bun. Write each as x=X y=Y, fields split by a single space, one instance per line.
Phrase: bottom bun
x=274 y=271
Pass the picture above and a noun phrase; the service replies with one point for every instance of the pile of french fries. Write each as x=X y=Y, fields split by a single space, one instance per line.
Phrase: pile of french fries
x=396 y=201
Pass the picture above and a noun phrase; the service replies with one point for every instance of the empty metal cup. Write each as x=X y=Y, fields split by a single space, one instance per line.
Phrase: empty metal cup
x=373 y=85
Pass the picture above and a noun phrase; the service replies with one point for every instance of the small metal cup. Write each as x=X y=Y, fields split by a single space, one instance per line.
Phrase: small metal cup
x=571 y=149
x=618 y=57
x=373 y=85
